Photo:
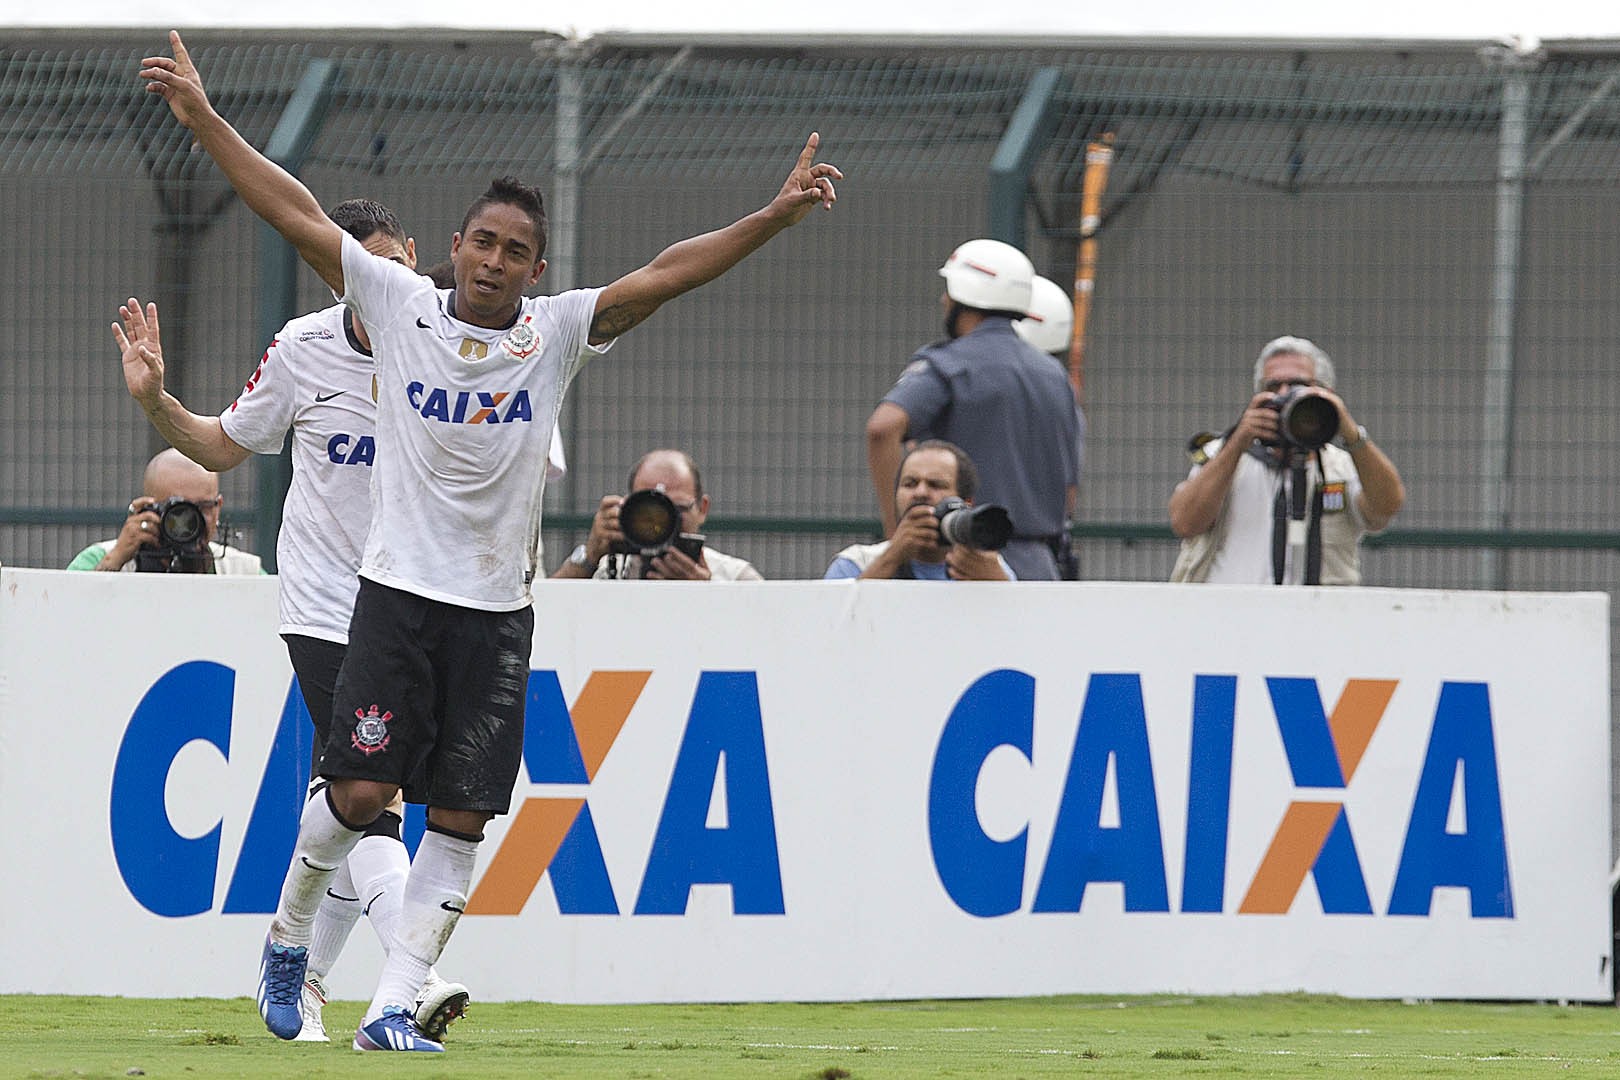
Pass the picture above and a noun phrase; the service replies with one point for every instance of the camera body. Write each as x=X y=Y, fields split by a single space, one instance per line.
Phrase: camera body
x=986 y=528
x=182 y=540
x=651 y=523
x=1305 y=421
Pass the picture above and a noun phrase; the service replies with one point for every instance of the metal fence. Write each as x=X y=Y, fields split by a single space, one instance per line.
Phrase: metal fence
x=1443 y=218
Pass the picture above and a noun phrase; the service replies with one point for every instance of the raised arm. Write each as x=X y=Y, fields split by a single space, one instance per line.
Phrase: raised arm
x=200 y=438
x=268 y=189
x=685 y=265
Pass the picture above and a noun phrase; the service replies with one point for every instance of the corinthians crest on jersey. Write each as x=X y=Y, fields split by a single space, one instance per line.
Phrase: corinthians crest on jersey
x=522 y=341
x=371 y=731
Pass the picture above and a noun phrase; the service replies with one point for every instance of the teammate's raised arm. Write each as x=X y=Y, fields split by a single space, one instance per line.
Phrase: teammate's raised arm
x=200 y=438
x=685 y=265
x=268 y=189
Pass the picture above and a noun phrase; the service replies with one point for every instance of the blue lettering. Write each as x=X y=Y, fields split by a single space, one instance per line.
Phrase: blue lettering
x=1337 y=872
x=168 y=874
x=520 y=409
x=1209 y=793
x=984 y=877
x=365 y=451
x=339 y=453
x=578 y=873
x=1475 y=859
x=1113 y=724
x=1307 y=739
x=551 y=753
x=413 y=392
x=437 y=405
x=461 y=408
x=272 y=830
x=724 y=725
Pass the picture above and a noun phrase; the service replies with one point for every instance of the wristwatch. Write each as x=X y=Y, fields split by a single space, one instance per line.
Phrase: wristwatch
x=580 y=559
x=1361 y=437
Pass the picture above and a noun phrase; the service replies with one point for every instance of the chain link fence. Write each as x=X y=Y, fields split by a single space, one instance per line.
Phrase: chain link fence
x=1443 y=218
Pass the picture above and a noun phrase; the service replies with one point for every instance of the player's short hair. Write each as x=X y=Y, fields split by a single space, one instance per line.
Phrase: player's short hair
x=365 y=218
x=967 y=476
x=1305 y=347
x=691 y=467
x=510 y=191
x=442 y=274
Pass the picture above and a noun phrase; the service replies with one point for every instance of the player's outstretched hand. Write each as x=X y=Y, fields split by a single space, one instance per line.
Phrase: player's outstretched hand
x=142 y=350
x=808 y=184
x=177 y=82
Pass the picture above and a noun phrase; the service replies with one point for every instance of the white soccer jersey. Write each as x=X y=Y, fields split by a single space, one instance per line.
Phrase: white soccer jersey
x=316 y=380
x=466 y=416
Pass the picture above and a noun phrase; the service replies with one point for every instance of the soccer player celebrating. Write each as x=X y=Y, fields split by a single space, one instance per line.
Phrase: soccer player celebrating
x=470 y=382
x=315 y=379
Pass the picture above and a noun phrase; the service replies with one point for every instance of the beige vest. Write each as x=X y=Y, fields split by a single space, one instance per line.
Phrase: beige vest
x=1341 y=533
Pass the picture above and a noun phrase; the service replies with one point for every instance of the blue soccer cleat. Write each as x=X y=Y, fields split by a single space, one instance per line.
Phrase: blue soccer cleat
x=395 y=1029
x=281 y=985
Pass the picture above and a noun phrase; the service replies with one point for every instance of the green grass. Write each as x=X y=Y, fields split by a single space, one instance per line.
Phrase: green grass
x=1274 y=1036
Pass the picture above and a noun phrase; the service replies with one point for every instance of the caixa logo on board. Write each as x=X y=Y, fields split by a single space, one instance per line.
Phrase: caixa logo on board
x=986 y=876
x=721 y=755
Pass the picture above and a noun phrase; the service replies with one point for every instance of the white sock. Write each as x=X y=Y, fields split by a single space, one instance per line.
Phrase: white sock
x=435 y=895
x=323 y=842
x=379 y=865
x=339 y=910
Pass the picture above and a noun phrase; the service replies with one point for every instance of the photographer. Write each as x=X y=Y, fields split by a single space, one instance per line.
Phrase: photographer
x=677 y=525
x=930 y=473
x=146 y=543
x=1274 y=501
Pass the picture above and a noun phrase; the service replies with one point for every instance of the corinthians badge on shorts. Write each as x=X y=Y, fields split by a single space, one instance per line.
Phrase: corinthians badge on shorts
x=371 y=733
x=522 y=341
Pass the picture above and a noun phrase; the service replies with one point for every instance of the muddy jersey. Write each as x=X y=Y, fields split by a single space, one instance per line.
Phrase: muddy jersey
x=316 y=380
x=465 y=414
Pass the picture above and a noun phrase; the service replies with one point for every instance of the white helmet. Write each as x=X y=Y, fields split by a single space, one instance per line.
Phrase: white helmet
x=1051 y=317
x=989 y=275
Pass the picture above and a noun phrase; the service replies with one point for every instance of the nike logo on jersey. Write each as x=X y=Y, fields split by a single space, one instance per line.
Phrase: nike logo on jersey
x=319 y=398
x=422 y=324
x=448 y=906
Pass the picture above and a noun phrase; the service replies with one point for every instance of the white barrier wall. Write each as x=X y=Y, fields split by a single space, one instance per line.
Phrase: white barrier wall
x=831 y=791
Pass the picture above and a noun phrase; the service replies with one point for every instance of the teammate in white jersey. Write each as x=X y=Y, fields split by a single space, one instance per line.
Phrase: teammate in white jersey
x=316 y=380
x=470 y=381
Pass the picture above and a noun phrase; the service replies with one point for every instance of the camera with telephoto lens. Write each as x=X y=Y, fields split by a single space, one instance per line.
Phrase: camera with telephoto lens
x=182 y=540
x=1305 y=421
x=987 y=527
x=651 y=523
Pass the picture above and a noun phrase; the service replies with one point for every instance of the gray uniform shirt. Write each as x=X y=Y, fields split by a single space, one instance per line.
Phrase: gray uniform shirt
x=1011 y=408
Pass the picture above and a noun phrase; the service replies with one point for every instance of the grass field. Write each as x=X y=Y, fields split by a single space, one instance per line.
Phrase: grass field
x=1275 y=1036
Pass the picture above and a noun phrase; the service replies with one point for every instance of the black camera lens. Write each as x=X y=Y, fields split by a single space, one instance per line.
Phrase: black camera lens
x=986 y=528
x=649 y=520
x=180 y=524
x=1305 y=420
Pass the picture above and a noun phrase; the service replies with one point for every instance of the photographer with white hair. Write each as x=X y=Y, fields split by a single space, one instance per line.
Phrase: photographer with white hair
x=1274 y=501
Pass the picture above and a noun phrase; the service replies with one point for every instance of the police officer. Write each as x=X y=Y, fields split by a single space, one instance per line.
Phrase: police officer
x=999 y=398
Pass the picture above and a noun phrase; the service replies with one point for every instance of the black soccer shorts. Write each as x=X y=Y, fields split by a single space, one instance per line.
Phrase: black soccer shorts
x=431 y=698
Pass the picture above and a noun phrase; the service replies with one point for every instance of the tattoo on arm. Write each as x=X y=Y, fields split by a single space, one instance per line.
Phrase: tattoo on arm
x=613 y=321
